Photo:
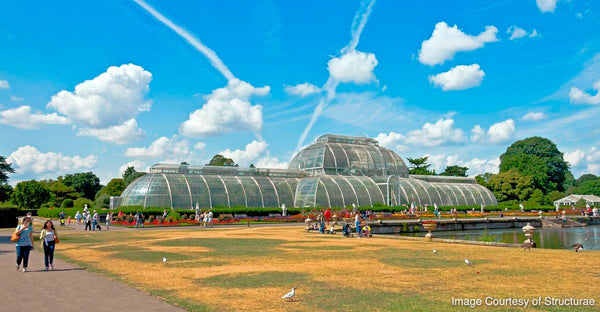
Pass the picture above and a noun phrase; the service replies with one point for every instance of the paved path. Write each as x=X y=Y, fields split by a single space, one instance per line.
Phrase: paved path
x=68 y=288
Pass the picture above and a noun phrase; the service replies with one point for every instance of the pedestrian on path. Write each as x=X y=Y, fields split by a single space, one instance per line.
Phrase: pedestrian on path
x=48 y=237
x=88 y=221
x=78 y=218
x=96 y=221
x=25 y=243
x=108 y=220
x=61 y=218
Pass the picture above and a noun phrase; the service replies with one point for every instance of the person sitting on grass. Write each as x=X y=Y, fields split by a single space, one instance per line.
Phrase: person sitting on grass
x=366 y=230
x=332 y=228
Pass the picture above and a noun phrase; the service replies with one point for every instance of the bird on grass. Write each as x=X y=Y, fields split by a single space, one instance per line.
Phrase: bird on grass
x=289 y=296
x=527 y=246
x=577 y=247
x=435 y=251
x=164 y=261
x=469 y=263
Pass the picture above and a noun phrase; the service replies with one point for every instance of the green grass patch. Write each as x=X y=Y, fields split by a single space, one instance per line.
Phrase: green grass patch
x=198 y=264
x=423 y=259
x=229 y=247
x=150 y=256
x=324 y=248
x=256 y=280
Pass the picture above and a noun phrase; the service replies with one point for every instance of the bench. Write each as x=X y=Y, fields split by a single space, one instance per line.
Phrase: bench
x=274 y=215
x=241 y=215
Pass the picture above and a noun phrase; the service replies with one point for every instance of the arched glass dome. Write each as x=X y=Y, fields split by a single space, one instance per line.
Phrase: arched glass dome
x=344 y=155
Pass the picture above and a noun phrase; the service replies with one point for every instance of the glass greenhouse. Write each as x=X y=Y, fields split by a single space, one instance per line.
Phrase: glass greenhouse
x=334 y=171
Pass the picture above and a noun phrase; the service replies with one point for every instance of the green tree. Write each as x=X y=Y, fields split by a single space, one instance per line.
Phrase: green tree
x=86 y=183
x=455 y=171
x=220 y=160
x=30 y=194
x=539 y=158
x=5 y=169
x=511 y=185
x=59 y=191
x=5 y=192
x=130 y=175
x=554 y=195
x=419 y=166
x=584 y=178
x=483 y=179
x=537 y=198
x=590 y=187
x=251 y=166
x=115 y=187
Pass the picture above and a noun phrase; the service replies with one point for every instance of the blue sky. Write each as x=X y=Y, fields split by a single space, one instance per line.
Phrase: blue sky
x=96 y=86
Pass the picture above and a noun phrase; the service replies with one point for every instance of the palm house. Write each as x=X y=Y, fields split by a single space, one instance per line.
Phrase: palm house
x=334 y=171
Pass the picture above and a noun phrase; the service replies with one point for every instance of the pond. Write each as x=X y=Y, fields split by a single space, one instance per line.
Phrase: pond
x=554 y=238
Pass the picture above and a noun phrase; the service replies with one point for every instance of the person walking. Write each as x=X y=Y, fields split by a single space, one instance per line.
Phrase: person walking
x=48 y=236
x=357 y=224
x=139 y=219
x=108 y=220
x=24 y=244
x=88 y=221
x=96 y=220
x=61 y=218
x=210 y=218
x=78 y=218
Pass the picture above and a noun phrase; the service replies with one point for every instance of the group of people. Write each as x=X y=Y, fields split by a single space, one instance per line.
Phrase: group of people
x=91 y=221
x=23 y=238
x=206 y=217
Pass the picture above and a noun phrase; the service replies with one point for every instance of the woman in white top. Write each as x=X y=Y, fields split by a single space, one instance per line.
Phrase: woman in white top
x=48 y=238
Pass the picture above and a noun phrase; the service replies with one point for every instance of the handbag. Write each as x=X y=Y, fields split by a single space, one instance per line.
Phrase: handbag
x=56 y=240
x=15 y=237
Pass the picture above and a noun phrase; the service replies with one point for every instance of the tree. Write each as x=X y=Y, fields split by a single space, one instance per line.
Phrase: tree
x=483 y=179
x=251 y=166
x=419 y=166
x=86 y=183
x=130 y=175
x=30 y=194
x=554 y=195
x=537 y=198
x=455 y=171
x=539 y=158
x=5 y=169
x=220 y=160
x=5 y=192
x=114 y=188
x=59 y=191
x=511 y=185
x=590 y=187
x=584 y=178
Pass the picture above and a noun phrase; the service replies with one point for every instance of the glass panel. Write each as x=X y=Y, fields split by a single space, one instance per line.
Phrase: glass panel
x=412 y=196
x=361 y=191
x=286 y=196
x=321 y=196
x=340 y=156
x=217 y=191
x=199 y=191
x=470 y=197
x=349 y=195
x=253 y=193
x=335 y=195
x=135 y=192
x=374 y=191
x=158 y=193
x=462 y=200
x=179 y=191
x=268 y=192
x=236 y=193
x=329 y=160
x=307 y=188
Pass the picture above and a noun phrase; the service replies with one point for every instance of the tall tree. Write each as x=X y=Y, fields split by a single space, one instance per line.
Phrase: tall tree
x=511 y=185
x=30 y=194
x=86 y=183
x=539 y=158
x=114 y=188
x=130 y=175
x=584 y=178
x=59 y=191
x=5 y=169
x=5 y=192
x=220 y=160
x=419 y=166
x=590 y=187
x=455 y=171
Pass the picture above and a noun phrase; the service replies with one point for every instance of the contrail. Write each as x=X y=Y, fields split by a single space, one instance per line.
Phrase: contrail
x=191 y=39
x=358 y=24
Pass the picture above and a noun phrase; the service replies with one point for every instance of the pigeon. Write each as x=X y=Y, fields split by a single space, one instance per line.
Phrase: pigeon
x=469 y=263
x=164 y=261
x=577 y=247
x=289 y=296
x=435 y=251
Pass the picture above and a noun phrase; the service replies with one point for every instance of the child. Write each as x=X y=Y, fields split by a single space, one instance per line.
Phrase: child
x=332 y=228
x=366 y=230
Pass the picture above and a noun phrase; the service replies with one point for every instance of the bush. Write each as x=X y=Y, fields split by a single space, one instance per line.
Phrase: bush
x=67 y=203
x=8 y=217
x=79 y=202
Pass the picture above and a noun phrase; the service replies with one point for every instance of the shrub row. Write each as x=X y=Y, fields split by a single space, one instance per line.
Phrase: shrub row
x=8 y=217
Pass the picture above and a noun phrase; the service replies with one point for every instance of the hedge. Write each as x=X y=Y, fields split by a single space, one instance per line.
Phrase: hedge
x=8 y=217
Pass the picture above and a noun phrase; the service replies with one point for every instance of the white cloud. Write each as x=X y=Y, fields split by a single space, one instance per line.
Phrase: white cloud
x=227 y=109
x=579 y=96
x=574 y=157
x=460 y=77
x=21 y=117
x=391 y=140
x=4 y=84
x=546 y=5
x=518 y=32
x=246 y=156
x=120 y=134
x=498 y=133
x=303 y=89
x=271 y=162
x=200 y=145
x=353 y=66
x=15 y=98
x=475 y=166
x=534 y=116
x=442 y=132
x=161 y=147
x=138 y=165
x=446 y=41
x=109 y=99
x=502 y=131
x=28 y=159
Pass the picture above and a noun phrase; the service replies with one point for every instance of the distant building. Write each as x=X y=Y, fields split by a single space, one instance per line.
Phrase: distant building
x=573 y=199
x=334 y=171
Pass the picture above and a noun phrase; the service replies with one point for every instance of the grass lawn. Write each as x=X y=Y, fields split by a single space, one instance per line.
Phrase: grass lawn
x=249 y=269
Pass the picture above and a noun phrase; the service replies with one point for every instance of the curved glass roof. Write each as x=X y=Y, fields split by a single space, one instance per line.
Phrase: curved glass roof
x=185 y=190
x=344 y=155
x=338 y=191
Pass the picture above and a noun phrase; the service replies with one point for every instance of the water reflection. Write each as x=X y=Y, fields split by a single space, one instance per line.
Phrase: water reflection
x=545 y=238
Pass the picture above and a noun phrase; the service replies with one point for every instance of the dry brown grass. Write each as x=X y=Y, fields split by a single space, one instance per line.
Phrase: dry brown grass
x=401 y=274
